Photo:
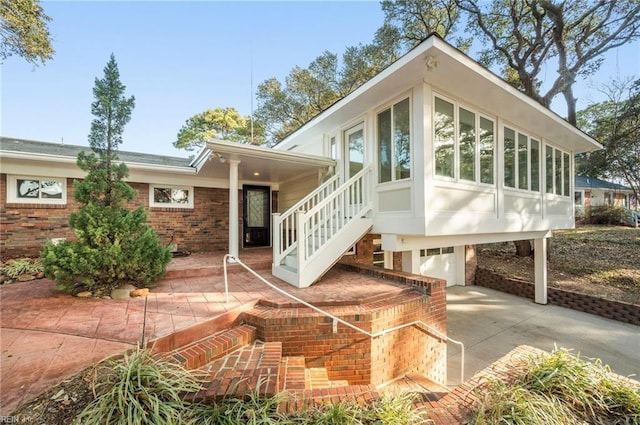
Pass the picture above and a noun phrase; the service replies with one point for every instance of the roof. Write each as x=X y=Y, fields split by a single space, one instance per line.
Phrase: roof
x=582 y=182
x=32 y=147
x=450 y=72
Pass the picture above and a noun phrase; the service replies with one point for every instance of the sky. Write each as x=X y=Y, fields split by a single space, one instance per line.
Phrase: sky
x=181 y=58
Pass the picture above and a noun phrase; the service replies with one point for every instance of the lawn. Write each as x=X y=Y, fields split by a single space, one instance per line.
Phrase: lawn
x=595 y=260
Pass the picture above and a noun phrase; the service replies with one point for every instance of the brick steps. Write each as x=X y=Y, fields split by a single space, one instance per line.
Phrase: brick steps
x=204 y=351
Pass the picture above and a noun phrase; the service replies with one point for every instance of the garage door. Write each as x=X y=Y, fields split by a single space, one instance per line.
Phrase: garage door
x=440 y=263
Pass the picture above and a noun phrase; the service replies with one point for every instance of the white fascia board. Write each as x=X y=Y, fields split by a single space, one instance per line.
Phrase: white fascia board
x=34 y=156
x=236 y=150
x=200 y=159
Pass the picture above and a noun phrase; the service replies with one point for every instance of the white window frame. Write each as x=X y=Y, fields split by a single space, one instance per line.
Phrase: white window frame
x=389 y=106
x=558 y=191
x=154 y=204
x=516 y=168
x=12 y=193
x=456 y=143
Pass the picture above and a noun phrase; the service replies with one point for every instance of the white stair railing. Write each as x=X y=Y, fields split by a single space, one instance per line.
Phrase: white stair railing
x=318 y=226
x=285 y=224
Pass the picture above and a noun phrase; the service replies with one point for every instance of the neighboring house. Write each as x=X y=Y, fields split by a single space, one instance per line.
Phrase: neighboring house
x=590 y=192
x=431 y=155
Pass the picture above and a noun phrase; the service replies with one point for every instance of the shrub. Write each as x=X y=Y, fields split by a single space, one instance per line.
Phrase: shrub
x=14 y=268
x=139 y=389
x=114 y=246
x=559 y=388
x=606 y=215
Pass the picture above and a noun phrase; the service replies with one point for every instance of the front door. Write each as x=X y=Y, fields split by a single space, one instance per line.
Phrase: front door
x=256 y=203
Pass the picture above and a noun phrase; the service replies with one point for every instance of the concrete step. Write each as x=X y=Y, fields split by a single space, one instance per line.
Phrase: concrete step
x=253 y=369
x=214 y=347
x=418 y=385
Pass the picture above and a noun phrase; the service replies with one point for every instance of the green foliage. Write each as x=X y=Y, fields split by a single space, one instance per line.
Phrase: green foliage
x=221 y=123
x=604 y=214
x=113 y=244
x=253 y=409
x=24 y=31
x=615 y=123
x=396 y=410
x=140 y=389
x=14 y=268
x=559 y=388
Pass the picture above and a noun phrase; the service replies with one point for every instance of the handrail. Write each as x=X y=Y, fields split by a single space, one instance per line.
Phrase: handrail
x=432 y=330
x=284 y=239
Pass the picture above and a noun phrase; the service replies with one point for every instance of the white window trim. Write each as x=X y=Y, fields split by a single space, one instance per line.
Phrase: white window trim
x=154 y=204
x=12 y=195
x=456 y=143
x=389 y=106
x=541 y=160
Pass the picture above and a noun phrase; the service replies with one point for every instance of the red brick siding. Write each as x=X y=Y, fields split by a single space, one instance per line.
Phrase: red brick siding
x=25 y=228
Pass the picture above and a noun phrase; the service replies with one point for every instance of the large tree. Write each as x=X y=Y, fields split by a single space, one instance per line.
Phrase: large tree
x=24 y=31
x=616 y=124
x=113 y=244
x=523 y=38
x=285 y=107
x=221 y=123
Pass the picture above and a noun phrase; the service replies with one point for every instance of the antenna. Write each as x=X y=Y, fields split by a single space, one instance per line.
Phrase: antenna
x=251 y=77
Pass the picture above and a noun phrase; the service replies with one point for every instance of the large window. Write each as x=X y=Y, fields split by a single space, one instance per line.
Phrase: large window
x=444 y=140
x=558 y=171
x=521 y=161
x=36 y=190
x=464 y=143
x=394 y=142
x=170 y=196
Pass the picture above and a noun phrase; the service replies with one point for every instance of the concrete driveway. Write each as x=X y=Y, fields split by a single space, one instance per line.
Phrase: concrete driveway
x=491 y=323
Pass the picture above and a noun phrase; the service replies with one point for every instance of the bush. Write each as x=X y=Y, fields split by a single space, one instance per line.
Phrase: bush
x=607 y=215
x=114 y=246
x=140 y=389
x=14 y=268
x=559 y=388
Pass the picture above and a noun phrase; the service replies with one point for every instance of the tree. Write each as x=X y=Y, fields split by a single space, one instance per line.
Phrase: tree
x=615 y=123
x=283 y=108
x=114 y=245
x=524 y=37
x=222 y=123
x=24 y=31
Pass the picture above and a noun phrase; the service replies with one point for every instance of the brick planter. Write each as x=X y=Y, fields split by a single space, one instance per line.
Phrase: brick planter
x=616 y=310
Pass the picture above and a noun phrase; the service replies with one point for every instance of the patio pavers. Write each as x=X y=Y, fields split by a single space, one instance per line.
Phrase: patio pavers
x=48 y=336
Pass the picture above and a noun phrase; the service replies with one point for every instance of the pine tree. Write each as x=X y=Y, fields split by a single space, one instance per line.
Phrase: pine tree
x=114 y=245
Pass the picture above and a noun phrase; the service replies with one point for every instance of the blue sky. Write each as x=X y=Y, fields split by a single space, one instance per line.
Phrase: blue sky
x=181 y=58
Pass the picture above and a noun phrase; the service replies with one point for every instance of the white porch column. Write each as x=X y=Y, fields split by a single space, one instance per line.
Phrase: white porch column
x=234 y=223
x=540 y=257
x=411 y=261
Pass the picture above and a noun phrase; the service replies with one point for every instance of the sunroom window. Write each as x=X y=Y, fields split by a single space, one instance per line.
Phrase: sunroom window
x=394 y=142
x=464 y=143
x=558 y=171
x=521 y=161
x=36 y=190
x=171 y=196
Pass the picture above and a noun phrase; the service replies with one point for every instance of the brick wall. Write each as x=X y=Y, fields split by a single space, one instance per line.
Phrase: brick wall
x=622 y=312
x=25 y=228
x=355 y=357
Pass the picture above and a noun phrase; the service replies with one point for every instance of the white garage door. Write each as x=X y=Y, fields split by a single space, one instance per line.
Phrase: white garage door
x=440 y=263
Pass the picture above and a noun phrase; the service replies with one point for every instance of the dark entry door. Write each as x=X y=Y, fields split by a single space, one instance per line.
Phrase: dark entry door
x=256 y=218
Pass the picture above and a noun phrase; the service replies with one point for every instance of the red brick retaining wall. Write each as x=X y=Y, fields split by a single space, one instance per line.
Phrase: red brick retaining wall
x=350 y=355
x=622 y=312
